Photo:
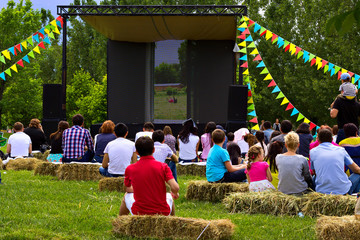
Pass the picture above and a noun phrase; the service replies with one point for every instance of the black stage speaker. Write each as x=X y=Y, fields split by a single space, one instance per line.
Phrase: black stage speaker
x=237 y=107
x=52 y=101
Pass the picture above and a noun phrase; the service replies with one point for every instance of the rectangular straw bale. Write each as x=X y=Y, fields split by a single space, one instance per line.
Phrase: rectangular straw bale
x=112 y=184
x=46 y=168
x=334 y=228
x=80 y=172
x=42 y=156
x=169 y=227
x=316 y=204
x=1 y=164
x=272 y=202
x=191 y=169
x=213 y=192
x=23 y=164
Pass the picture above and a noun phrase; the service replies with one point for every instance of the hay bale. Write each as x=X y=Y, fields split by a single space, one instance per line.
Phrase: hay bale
x=1 y=164
x=112 y=184
x=316 y=204
x=42 y=156
x=271 y=202
x=331 y=228
x=46 y=168
x=22 y=164
x=191 y=169
x=85 y=172
x=213 y=192
x=172 y=227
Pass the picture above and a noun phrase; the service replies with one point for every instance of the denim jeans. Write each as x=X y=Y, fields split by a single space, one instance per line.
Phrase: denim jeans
x=98 y=159
x=172 y=167
x=355 y=180
x=340 y=136
x=237 y=176
x=105 y=172
x=87 y=157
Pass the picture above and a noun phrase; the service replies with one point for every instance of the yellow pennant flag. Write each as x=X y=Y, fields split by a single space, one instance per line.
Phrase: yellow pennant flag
x=14 y=68
x=244 y=25
x=53 y=22
x=255 y=52
x=292 y=49
x=246 y=18
x=24 y=44
x=47 y=30
x=284 y=101
x=246 y=72
x=318 y=61
x=6 y=53
x=344 y=70
x=251 y=100
x=56 y=30
x=268 y=77
x=256 y=127
x=37 y=50
x=268 y=35
x=306 y=120
x=242 y=44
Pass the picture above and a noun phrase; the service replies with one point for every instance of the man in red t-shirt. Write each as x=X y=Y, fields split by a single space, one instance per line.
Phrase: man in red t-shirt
x=145 y=184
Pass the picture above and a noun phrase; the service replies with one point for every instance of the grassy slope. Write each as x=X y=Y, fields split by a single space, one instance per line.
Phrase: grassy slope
x=41 y=207
x=165 y=110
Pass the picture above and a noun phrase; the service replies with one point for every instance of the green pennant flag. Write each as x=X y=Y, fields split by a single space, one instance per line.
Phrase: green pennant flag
x=251 y=107
x=300 y=116
x=311 y=57
x=8 y=72
x=30 y=41
x=300 y=54
x=286 y=43
x=243 y=50
x=247 y=79
x=252 y=45
x=337 y=68
x=326 y=68
x=242 y=19
x=31 y=54
x=48 y=27
x=262 y=29
x=51 y=35
x=275 y=40
x=52 y=27
x=281 y=95
x=265 y=71
x=2 y=59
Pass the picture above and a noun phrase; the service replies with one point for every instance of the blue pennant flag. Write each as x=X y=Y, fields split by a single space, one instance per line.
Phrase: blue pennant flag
x=331 y=66
x=42 y=31
x=257 y=27
x=36 y=37
x=332 y=72
x=306 y=56
x=294 y=111
x=244 y=58
x=241 y=29
x=280 y=42
x=249 y=86
x=26 y=59
x=47 y=40
x=253 y=113
x=58 y=23
x=12 y=50
x=276 y=89
x=249 y=39
x=356 y=77
x=2 y=75
x=261 y=64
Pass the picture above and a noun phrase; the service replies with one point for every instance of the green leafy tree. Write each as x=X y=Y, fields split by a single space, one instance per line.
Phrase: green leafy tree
x=167 y=73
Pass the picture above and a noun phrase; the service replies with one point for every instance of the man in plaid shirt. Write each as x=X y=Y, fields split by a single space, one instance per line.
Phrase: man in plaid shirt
x=75 y=139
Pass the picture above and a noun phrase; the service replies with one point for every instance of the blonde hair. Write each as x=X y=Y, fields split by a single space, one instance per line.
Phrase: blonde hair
x=34 y=123
x=253 y=153
x=250 y=139
x=292 y=141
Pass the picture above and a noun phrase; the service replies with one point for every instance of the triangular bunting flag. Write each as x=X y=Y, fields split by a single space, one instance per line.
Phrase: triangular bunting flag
x=36 y=38
x=300 y=116
x=56 y=30
x=2 y=59
x=8 y=72
x=294 y=112
x=246 y=72
x=242 y=44
x=313 y=61
x=323 y=63
x=284 y=101
x=42 y=45
x=351 y=74
x=26 y=59
x=2 y=75
x=246 y=31
x=276 y=89
x=243 y=50
x=281 y=95
x=268 y=77
x=272 y=83
x=300 y=54
x=6 y=53
x=251 y=107
x=274 y=37
x=256 y=127
x=306 y=120
x=242 y=36
x=31 y=54
x=29 y=39
x=20 y=63
x=241 y=29
x=318 y=60
x=257 y=58
x=356 y=77
x=18 y=47
x=306 y=56
x=280 y=42
x=326 y=68
x=337 y=68
x=245 y=65
x=339 y=75
x=289 y=106
x=257 y=27
x=261 y=64
x=244 y=58
x=249 y=39
x=251 y=45
x=264 y=71
x=331 y=66
x=14 y=68
x=251 y=100
x=249 y=93
x=312 y=125
x=286 y=43
x=24 y=44
x=251 y=22
x=254 y=52
x=298 y=49
x=12 y=50
x=37 y=50
x=287 y=47
x=249 y=88
x=263 y=33
x=42 y=31
x=53 y=22
x=47 y=40
x=243 y=25
x=51 y=35
x=268 y=35
x=332 y=72
x=253 y=113
x=292 y=49
x=311 y=56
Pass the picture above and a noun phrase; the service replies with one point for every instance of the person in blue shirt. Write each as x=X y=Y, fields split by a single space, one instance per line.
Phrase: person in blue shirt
x=327 y=162
x=218 y=166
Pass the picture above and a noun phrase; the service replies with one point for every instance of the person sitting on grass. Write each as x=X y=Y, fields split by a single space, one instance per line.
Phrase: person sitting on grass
x=162 y=151
x=257 y=171
x=19 y=144
x=327 y=162
x=218 y=167
x=145 y=184
x=294 y=173
x=118 y=154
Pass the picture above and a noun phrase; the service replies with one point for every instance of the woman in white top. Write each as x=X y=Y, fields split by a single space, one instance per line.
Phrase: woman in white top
x=260 y=137
x=188 y=142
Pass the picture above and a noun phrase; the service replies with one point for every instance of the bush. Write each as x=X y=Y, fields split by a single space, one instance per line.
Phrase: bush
x=171 y=91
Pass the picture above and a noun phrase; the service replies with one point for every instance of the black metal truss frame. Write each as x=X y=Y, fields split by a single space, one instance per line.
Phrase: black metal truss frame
x=152 y=10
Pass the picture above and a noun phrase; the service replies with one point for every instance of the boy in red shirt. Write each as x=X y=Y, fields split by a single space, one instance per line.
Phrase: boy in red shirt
x=145 y=184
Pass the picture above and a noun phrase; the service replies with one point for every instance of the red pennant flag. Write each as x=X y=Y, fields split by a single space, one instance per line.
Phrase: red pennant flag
x=257 y=58
x=251 y=22
x=245 y=65
x=263 y=33
x=274 y=36
x=20 y=63
x=242 y=36
x=249 y=93
x=272 y=83
x=60 y=19
x=41 y=35
x=339 y=74
x=246 y=31
x=289 y=106
x=18 y=47
x=287 y=47
x=312 y=125
x=254 y=120
x=298 y=49
x=313 y=61
x=42 y=45
x=351 y=74
x=324 y=63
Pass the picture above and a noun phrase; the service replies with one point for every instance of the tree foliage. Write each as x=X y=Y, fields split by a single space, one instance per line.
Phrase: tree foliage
x=167 y=73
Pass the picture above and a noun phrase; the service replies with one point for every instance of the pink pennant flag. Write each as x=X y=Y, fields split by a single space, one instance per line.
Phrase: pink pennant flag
x=324 y=63
x=272 y=83
x=274 y=36
x=287 y=47
x=242 y=36
x=246 y=31
x=254 y=120
x=18 y=47
x=351 y=74
x=313 y=61
x=298 y=49
x=289 y=106
x=339 y=74
x=251 y=22
x=263 y=33
x=20 y=63
x=312 y=125
x=245 y=65
x=257 y=58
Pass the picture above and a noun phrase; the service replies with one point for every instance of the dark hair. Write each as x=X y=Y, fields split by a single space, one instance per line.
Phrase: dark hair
x=286 y=126
x=350 y=130
x=335 y=129
x=210 y=127
x=274 y=134
x=120 y=130
x=158 y=136
x=275 y=148
x=186 y=130
x=234 y=152
x=267 y=125
x=218 y=136
x=149 y=126
x=230 y=136
x=144 y=146
x=260 y=136
x=78 y=119
x=303 y=128
x=18 y=126
x=61 y=128
x=325 y=135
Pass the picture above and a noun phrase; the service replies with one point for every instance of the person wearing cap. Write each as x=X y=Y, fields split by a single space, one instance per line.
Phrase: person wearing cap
x=345 y=109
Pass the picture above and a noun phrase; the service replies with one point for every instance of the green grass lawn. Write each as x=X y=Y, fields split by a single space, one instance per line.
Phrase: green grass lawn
x=165 y=110
x=42 y=207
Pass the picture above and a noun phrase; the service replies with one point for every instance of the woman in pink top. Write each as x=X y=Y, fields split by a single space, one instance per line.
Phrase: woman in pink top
x=206 y=141
x=258 y=172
